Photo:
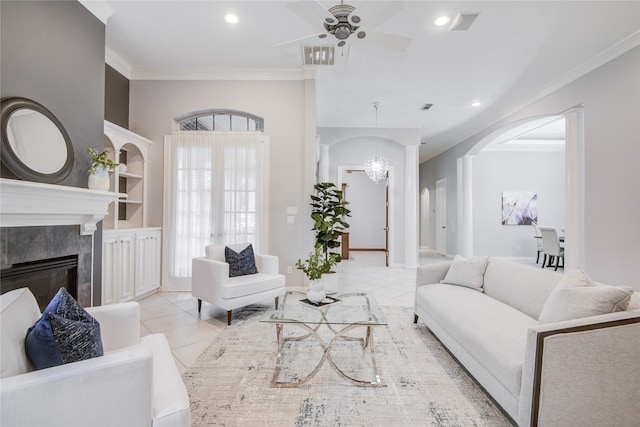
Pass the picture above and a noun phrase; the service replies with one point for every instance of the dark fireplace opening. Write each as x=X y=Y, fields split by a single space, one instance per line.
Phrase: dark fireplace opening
x=43 y=277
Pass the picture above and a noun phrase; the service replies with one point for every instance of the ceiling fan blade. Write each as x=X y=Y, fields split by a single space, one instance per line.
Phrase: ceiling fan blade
x=388 y=41
x=375 y=13
x=310 y=11
x=310 y=37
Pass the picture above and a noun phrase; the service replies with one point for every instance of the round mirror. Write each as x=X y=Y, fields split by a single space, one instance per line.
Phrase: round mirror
x=35 y=146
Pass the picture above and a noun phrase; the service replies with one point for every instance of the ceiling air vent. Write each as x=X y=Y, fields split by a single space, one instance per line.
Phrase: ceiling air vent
x=463 y=21
x=318 y=55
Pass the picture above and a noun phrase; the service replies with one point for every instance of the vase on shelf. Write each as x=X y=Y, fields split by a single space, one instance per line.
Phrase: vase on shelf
x=316 y=293
x=99 y=180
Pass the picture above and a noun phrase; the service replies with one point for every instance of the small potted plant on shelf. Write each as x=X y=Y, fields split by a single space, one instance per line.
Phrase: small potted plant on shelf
x=100 y=164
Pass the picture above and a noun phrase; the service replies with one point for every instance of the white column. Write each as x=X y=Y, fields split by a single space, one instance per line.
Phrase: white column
x=323 y=172
x=574 y=166
x=467 y=206
x=411 y=206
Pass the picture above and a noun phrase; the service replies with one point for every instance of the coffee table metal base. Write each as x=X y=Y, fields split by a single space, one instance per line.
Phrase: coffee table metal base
x=367 y=343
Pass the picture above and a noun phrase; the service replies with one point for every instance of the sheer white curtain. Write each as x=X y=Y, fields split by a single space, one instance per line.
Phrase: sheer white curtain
x=215 y=185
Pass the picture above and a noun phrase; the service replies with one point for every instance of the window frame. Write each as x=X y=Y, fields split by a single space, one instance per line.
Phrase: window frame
x=259 y=121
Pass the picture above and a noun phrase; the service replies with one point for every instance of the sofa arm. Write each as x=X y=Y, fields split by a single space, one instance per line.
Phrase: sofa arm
x=267 y=264
x=105 y=391
x=582 y=372
x=431 y=273
x=119 y=324
x=207 y=277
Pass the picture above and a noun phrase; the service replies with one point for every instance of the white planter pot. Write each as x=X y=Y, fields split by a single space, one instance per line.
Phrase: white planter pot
x=330 y=282
x=99 y=180
x=316 y=292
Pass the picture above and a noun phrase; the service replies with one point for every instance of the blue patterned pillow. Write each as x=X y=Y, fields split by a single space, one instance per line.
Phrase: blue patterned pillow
x=240 y=264
x=64 y=333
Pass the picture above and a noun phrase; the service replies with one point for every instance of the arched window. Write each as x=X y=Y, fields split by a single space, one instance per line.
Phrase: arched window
x=221 y=120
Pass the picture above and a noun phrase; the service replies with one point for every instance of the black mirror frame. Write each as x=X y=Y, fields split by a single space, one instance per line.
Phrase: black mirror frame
x=9 y=157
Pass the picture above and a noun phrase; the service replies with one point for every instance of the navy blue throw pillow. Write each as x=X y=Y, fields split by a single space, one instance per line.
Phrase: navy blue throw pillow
x=240 y=264
x=64 y=333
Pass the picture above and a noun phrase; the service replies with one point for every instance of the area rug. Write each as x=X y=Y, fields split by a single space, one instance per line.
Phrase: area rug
x=423 y=385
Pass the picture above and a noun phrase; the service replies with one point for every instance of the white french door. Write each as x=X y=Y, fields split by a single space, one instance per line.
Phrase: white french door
x=215 y=193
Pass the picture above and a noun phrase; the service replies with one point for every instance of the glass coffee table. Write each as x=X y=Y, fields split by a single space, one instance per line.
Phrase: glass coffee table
x=327 y=324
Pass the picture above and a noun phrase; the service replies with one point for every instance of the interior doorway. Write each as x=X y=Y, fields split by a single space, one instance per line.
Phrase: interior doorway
x=369 y=205
x=425 y=217
x=441 y=216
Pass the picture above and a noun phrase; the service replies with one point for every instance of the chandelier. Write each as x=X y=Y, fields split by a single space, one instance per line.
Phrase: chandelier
x=376 y=166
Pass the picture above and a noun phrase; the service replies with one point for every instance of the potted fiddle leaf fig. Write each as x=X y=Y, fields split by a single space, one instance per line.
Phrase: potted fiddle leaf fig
x=328 y=212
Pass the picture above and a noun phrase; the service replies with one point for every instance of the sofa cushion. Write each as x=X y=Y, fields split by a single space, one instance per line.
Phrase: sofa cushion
x=18 y=312
x=576 y=296
x=252 y=284
x=490 y=331
x=467 y=272
x=216 y=252
x=523 y=287
x=241 y=263
x=64 y=333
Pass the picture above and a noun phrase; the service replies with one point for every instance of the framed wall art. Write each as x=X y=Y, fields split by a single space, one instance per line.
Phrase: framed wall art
x=519 y=208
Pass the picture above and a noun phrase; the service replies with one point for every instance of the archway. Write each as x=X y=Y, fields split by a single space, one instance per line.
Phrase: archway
x=574 y=179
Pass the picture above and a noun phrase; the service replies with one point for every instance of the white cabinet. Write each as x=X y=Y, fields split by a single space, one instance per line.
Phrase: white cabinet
x=117 y=268
x=130 y=263
x=147 y=261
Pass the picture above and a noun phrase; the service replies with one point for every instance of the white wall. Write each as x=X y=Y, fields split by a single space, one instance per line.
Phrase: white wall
x=610 y=95
x=288 y=108
x=494 y=172
x=368 y=212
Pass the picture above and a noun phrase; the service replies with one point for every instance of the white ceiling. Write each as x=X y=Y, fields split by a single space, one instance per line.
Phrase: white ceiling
x=515 y=52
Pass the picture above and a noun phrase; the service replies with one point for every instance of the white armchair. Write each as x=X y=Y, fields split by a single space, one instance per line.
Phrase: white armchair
x=210 y=281
x=135 y=383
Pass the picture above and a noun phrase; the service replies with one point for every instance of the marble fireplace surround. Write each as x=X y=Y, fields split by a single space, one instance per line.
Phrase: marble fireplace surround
x=41 y=221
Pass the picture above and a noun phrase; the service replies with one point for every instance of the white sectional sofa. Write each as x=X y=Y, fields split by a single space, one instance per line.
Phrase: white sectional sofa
x=135 y=383
x=503 y=326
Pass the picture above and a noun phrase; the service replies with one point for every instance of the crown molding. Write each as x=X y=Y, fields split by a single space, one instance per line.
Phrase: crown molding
x=218 y=74
x=116 y=61
x=99 y=9
x=612 y=52
x=586 y=67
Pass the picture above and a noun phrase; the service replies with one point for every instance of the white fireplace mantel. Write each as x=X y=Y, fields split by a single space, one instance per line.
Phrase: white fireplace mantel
x=26 y=203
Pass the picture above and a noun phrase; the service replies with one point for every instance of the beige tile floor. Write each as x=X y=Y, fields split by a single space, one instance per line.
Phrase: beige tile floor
x=189 y=333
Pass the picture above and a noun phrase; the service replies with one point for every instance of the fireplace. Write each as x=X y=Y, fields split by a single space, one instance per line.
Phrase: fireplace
x=46 y=258
x=43 y=277
x=53 y=225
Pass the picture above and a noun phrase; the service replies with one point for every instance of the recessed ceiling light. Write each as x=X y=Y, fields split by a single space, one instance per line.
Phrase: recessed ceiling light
x=231 y=19
x=442 y=20
x=476 y=104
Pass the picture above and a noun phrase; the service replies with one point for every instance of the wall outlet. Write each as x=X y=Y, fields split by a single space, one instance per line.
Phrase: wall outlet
x=289 y=270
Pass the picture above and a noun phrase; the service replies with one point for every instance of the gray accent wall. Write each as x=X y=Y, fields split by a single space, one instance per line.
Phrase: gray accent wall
x=53 y=53
x=116 y=97
x=610 y=95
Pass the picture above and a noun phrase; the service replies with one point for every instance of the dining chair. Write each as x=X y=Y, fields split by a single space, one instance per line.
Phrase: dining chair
x=551 y=247
x=538 y=236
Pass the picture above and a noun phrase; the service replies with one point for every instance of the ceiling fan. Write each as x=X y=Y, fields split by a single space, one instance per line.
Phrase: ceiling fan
x=342 y=22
